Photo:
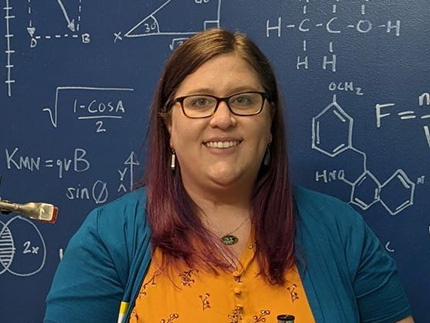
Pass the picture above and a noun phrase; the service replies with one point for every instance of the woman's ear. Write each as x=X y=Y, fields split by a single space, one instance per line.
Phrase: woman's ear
x=272 y=110
x=168 y=124
x=272 y=116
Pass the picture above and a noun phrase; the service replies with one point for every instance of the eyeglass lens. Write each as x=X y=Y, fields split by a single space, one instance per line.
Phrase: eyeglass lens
x=198 y=106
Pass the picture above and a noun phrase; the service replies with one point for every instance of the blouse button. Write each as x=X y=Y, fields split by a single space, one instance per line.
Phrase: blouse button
x=237 y=291
x=236 y=273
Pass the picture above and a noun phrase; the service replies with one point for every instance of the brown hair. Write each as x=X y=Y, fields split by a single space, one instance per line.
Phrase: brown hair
x=173 y=216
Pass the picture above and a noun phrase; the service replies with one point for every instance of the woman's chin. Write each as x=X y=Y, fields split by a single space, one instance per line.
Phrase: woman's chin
x=225 y=178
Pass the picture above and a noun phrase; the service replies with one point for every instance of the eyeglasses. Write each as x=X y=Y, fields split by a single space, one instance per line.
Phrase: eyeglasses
x=203 y=106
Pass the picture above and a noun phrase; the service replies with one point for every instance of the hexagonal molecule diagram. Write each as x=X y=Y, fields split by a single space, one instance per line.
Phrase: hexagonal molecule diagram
x=365 y=191
x=332 y=130
x=397 y=193
x=332 y=135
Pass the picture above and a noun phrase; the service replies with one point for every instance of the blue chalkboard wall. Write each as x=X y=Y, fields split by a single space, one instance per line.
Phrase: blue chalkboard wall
x=77 y=82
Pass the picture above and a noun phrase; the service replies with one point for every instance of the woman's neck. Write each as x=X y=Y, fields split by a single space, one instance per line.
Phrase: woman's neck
x=210 y=198
x=225 y=212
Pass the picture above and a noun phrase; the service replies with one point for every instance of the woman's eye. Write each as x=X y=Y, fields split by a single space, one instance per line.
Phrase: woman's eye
x=243 y=100
x=200 y=102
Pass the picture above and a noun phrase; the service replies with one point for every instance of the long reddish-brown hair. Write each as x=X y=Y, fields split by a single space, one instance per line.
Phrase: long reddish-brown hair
x=173 y=216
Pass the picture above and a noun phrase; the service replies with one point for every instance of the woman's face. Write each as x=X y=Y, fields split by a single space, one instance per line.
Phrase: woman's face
x=197 y=142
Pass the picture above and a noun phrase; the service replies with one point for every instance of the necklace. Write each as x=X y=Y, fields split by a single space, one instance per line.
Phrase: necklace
x=229 y=239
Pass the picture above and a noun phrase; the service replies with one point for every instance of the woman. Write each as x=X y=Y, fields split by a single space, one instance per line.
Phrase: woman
x=217 y=234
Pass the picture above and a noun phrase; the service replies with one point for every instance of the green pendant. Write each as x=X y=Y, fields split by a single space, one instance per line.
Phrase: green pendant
x=229 y=239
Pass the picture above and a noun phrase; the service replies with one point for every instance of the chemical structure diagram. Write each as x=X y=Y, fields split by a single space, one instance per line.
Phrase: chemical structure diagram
x=159 y=22
x=366 y=189
x=333 y=26
x=21 y=257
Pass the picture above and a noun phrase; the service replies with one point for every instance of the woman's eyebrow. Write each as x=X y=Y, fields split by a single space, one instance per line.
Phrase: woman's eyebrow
x=211 y=91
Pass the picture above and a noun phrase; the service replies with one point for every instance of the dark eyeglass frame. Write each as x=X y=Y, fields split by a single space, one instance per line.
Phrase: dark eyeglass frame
x=181 y=99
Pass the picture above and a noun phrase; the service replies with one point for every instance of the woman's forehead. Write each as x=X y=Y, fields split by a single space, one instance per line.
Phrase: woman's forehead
x=223 y=73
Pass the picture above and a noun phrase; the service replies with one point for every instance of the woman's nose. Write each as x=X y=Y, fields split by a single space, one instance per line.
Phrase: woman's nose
x=223 y=117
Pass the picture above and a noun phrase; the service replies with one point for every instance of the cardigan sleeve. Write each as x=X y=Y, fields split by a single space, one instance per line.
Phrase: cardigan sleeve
x=347 y=273
x=379 y=293
x=86 y=286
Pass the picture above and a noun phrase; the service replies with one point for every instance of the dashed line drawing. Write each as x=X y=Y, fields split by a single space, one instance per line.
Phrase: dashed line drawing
x=31 y=252
x=70 y=23
x=68 y=11
x=332 y=131
x=152 y=24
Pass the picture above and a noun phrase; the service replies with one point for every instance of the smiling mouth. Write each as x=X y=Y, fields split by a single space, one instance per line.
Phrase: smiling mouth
x=222 y=144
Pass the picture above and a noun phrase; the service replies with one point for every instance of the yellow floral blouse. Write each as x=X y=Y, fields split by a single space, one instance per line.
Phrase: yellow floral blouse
x=188 y=295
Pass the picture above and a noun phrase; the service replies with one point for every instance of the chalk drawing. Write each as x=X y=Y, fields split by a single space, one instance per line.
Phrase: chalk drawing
x=332 y=131
x=152 y=24
x=420 y=114
x=25 y=258
x=96 y=109
x=333 y=25
x=9 y=51
x=68 y=28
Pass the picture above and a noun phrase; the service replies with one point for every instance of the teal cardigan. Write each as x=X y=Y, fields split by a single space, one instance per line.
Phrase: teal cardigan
x=346 y=273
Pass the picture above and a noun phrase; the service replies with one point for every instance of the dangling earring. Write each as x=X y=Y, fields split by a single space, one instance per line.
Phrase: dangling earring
x=266 y=160
x=173 y=161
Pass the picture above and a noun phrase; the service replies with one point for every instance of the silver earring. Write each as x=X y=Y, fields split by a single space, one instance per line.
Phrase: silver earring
x=173 y=161
x=267 y=157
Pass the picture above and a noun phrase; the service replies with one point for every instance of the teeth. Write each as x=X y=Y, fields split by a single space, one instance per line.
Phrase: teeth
x=221 y=144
